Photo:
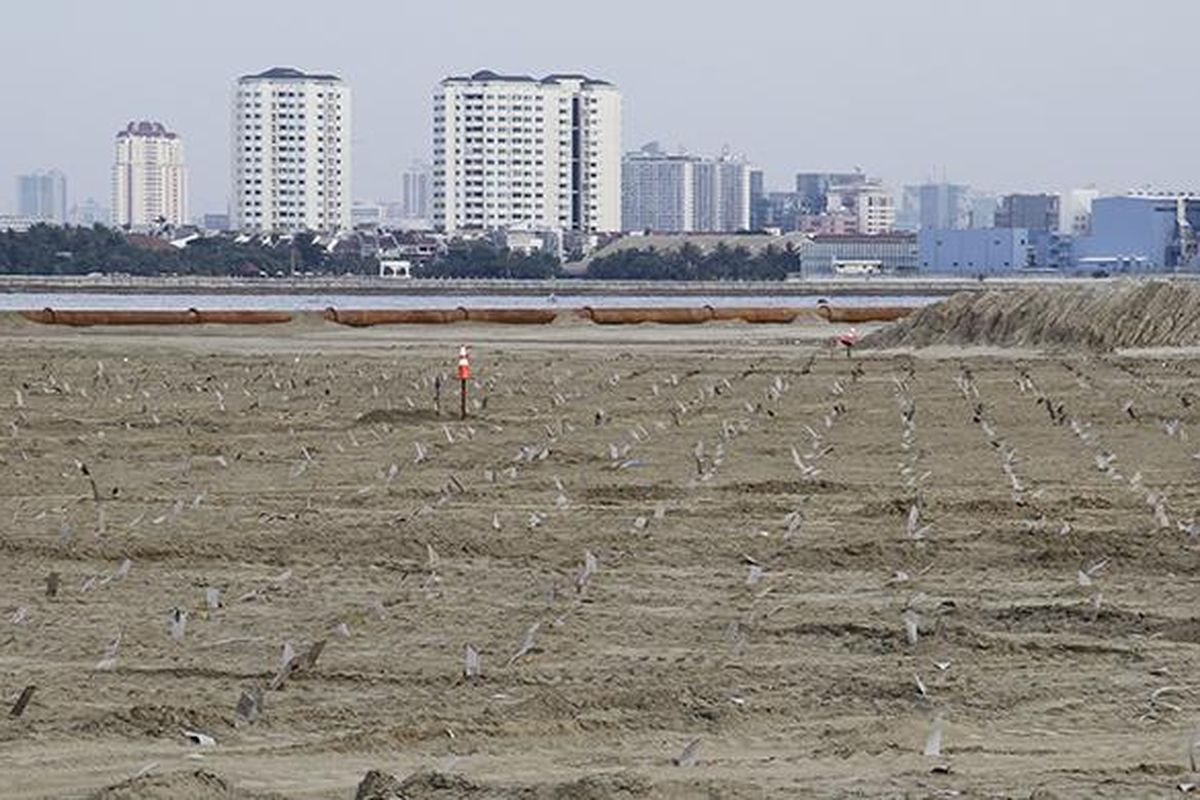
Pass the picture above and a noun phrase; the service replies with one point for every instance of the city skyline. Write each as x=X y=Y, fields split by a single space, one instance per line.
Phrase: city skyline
x=932 y=90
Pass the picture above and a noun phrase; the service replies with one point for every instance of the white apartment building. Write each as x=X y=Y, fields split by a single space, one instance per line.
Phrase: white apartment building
x=658 y=191
x=871 y=207
x=291 y=152
x=511 y=151
x=669 y=193
x=149 y=177
x=722 y=195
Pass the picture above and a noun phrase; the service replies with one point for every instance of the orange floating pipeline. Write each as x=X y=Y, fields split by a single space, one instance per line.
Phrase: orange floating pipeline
x=755 y=314
x=511 y=316
x=364 y=318
x=244 y=317
x=634 y=316
x=863 y=313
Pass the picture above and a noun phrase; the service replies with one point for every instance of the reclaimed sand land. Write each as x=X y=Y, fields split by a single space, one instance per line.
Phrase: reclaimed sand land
x=280 y=467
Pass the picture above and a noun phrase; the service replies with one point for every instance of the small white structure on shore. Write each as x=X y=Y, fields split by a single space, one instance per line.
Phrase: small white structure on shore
x=395 y=268
x=857 y=266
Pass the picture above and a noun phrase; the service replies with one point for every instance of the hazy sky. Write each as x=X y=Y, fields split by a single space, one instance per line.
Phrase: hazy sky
x=1001 y=94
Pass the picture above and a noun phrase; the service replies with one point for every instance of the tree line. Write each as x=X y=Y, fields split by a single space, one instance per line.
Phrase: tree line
x=58 y=250
x=66 y=250
x=481 y=260
x=690 y=263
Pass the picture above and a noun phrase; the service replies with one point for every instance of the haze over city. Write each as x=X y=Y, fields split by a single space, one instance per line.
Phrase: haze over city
x=1028 y=95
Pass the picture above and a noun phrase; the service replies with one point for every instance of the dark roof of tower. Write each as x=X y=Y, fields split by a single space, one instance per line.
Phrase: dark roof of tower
x=147 y=128
x=575 y=76
x=291 y=73
x=489 y=75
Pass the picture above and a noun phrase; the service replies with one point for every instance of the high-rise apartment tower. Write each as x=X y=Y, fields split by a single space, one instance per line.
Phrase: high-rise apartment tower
x=291 y=152
x=511 y=151
x=149 y=179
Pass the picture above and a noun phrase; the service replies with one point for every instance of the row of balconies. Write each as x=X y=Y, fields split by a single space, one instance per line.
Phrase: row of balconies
x=492 y=100
x=481 y=119
x=278 y=199
x=318 y=117
x=254 y=174
x=493 y=158
x=475 y=132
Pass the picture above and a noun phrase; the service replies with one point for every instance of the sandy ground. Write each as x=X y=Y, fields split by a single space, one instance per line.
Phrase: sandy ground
x=761 y=601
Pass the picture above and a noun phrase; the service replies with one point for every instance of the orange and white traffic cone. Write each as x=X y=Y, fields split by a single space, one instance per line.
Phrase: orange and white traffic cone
x=848 y=340
x=464 y=375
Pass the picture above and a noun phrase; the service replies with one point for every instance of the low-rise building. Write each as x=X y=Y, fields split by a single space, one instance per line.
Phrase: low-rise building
x=975 y=252
x=17 y=223
x=527 y=242
x=993 y=250
x=366 y=213
x=833 y=254
x=89 y=213
x=833 y=223
x=215 y=222
x=395 y=268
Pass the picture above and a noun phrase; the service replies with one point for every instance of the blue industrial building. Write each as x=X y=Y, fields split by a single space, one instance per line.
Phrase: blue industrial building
x=987 y=251
x=975 y=252
x=1135 y=233
x=1140 y=234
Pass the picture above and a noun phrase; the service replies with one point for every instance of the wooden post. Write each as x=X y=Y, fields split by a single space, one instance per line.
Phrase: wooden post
x=22 y=701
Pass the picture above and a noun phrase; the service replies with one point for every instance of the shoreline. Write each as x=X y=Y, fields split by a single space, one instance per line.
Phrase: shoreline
x=367 y=286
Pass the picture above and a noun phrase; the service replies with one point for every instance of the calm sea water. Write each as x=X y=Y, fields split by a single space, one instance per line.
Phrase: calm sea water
x=16 y=301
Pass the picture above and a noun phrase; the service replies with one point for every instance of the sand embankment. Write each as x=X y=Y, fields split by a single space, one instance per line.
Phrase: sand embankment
x=1129 y=314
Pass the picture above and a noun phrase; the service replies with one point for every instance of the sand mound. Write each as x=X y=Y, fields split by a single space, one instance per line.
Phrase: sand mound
x=197 y=785
x=155 y=720
x=402 y=416
x=597 y=787
x=1155 y=313
x=430 y=785
x=377 y=785
x=12 y=320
